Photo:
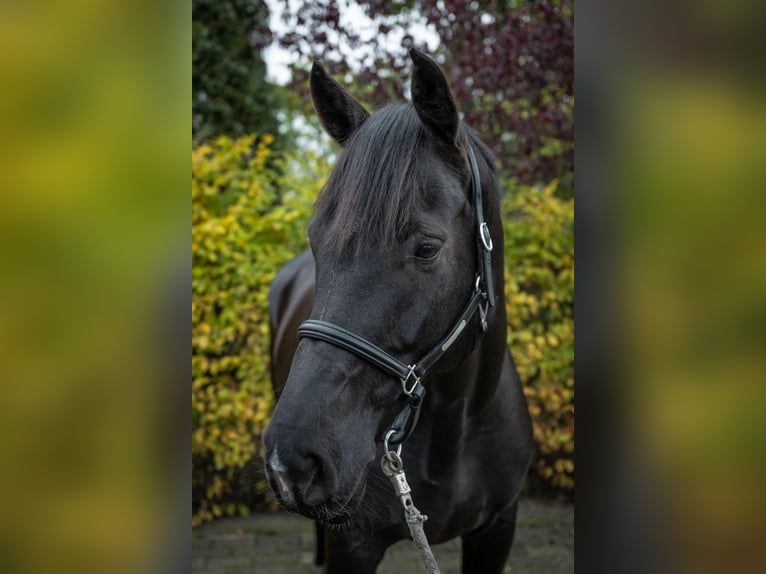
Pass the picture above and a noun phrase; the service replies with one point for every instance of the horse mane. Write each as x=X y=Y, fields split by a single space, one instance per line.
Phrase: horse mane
x=377 y=183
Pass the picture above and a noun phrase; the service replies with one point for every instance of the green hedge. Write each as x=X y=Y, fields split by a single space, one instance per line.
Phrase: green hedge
x=539 y=288
x=249 y=215
x=249 y=210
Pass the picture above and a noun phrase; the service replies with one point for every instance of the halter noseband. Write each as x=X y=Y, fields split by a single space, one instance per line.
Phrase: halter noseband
x=483 y=296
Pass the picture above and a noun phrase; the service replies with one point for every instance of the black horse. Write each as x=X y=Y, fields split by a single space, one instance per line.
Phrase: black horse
x=404 y=293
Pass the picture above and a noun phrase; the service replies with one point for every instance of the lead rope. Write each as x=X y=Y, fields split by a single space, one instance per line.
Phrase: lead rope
x=392 y=466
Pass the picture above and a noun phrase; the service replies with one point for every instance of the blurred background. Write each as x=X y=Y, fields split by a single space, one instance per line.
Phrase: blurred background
x=94 y=285
x=670 y=214
x=95 y=267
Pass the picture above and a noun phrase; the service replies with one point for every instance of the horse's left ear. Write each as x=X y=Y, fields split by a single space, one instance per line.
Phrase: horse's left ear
x=339 y=113
x=432 y=97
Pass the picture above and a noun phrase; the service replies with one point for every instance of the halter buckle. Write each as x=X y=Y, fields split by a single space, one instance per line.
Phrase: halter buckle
x=483 y=308
x=412 y=374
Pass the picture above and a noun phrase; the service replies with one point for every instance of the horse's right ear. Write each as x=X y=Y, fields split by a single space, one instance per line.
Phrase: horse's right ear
x=432 y=97
x=339 y=113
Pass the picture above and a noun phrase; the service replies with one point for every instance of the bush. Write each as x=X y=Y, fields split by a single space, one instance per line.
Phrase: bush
x=539 y=257
x=247 y=221
x=249 y=215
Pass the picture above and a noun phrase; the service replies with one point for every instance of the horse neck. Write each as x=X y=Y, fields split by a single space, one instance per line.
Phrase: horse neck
x=458 y=399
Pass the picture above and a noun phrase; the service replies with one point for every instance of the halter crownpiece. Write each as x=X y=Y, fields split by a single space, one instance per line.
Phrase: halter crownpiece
x=485 y=239
x=482 y=297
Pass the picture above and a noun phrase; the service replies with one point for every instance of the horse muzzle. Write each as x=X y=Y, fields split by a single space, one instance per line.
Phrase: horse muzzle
x=306 y=483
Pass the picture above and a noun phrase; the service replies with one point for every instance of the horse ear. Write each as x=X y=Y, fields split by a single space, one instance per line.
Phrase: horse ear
x=432 y=97
x=339 y=113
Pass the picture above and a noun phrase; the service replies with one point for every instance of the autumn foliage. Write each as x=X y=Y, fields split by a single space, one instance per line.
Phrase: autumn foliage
x=510 y=64
x=247 y=221
x=539 y=289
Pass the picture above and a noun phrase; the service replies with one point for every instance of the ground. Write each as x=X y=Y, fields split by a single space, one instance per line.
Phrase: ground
x=281 y=544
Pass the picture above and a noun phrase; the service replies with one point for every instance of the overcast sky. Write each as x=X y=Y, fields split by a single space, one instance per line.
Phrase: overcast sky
x=351 y=15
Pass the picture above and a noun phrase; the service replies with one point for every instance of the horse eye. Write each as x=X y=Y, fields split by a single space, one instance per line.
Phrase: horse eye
x=426 y=251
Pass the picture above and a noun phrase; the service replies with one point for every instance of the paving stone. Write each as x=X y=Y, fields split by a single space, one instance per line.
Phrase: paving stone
x=282 y=543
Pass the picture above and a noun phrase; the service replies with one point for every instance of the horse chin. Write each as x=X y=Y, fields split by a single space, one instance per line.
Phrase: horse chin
x=335 y=512
x=338 y=521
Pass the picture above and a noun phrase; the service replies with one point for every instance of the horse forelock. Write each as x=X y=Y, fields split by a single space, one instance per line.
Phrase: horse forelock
x=379 y=181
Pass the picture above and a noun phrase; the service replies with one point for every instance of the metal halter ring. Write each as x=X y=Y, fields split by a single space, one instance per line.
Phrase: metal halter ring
x=412 y=374
x=387 y=450
x=486 y=238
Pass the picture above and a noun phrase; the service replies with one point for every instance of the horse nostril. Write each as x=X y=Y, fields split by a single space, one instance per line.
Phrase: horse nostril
x=301 y=477
x=317 y=488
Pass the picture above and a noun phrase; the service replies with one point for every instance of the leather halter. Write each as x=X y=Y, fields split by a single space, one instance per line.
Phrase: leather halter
x=483 y=296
